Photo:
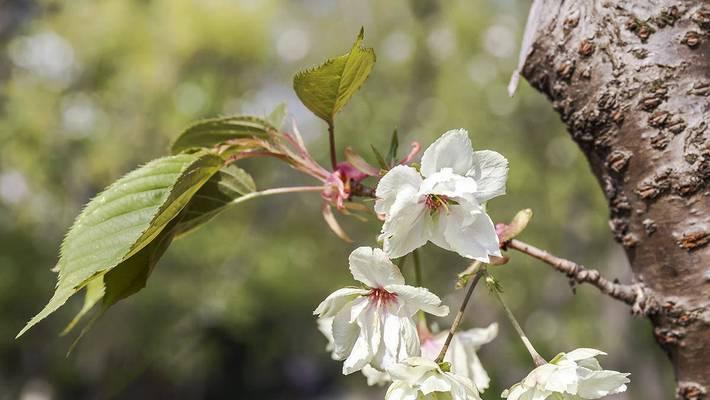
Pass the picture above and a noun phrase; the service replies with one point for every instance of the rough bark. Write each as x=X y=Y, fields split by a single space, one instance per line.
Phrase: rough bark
x=631 y=80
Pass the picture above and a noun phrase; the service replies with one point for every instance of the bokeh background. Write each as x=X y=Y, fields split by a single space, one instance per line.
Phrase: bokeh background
x=91 y=89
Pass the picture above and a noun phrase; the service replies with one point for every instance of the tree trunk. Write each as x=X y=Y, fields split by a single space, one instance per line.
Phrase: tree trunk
x=631 y=80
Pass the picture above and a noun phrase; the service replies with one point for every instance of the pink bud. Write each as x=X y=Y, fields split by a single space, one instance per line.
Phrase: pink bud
x=349 y=172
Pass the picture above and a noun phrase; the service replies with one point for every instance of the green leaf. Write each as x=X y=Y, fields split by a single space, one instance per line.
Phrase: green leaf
x=277 y=117
x=122 y=281
x=394 y=146
x=125 y=279
x=94 y=293
x=230 y=183
x=125 y=218
x=327 y=88
x=213 y=132
x=131 y=275
x=378 y=156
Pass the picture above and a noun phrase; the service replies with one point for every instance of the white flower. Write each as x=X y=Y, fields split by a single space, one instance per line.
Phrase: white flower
x=462 y=352
x=569 y=376
x=444 y=203
x=419 y=378
x=374 y=325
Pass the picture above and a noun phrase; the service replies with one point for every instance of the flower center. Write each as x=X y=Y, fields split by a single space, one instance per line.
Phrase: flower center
x=434 y=202
x=381 y=296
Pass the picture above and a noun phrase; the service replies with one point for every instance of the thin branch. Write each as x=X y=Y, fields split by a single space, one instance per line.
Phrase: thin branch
x=281 y=190
x=537 y=358
x=630 y=294
x=459 y=316
x=331 y=139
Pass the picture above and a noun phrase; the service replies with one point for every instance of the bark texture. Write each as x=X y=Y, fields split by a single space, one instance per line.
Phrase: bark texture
x=631 y=80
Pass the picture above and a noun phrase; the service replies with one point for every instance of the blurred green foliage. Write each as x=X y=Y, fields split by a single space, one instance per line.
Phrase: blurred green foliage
x=89 y=90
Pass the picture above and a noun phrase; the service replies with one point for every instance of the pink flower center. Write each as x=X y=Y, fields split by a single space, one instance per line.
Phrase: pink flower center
x=435 y=201
x=381 y=296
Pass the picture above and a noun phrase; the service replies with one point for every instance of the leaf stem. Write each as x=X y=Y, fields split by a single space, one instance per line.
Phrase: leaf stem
x=537 y=358
x=281 y=190
x=459 y=316
x=420 y=283
x=331 y=139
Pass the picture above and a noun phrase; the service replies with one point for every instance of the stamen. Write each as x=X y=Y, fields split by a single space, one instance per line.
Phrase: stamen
x=435 y=201
x=381 y=296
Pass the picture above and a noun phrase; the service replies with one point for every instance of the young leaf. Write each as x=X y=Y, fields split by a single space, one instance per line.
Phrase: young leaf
x=230 y=183
x=359 y=163
x=516 y=226
x=277 y=117
x=125 y=218
x=394 y=146
x=327 y=88
x=380 y=160
x=212 y=132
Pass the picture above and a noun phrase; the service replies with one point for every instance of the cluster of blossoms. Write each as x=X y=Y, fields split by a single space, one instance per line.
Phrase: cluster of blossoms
x=371 y=328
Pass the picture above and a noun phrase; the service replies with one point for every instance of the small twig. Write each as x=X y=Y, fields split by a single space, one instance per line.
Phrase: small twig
x=537 y=358
x=331 y=139
x=281 y=190
x=629 y=294
x=459 y=316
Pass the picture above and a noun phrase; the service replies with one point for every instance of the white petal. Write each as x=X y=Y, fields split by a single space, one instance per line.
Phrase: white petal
x=359 y=356
x=562 y=379
x=477 y=337
x=397 y=180
x=583 y=353
x=514 y=392
x=391 y=339
x=539 y=375
x=400 y=390
x=590 y=364
x=477 y=239
x=452 y=150
x=370 y=322
x=406 y=227
x=344 y=334
x=462 y=387
x=337 y=300
x=465 y=362
x=602 y=383
x=412 y=370
x=435 y=383
x=373 y=268
x=412 y=299
x=520 y=392
x=410 y=345
x=431 y=346
x=325 y=326
x=369 y=336
x=490 y=170
x=375 y=376
x=450 y=184
x=358 y=307
x=478 y=374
